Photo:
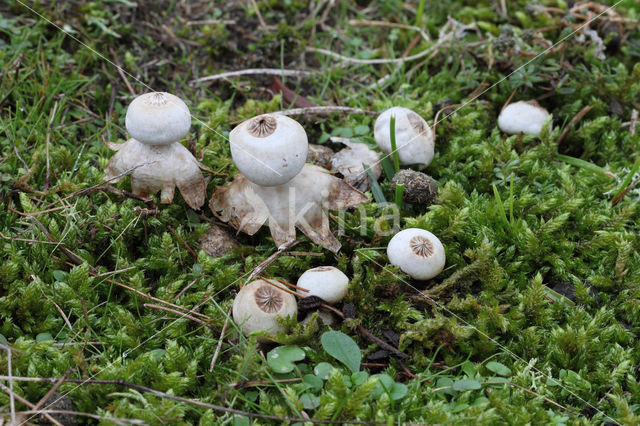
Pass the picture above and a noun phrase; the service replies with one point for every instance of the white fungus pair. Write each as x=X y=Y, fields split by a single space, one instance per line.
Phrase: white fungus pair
x=260 y=304
x=154 y=156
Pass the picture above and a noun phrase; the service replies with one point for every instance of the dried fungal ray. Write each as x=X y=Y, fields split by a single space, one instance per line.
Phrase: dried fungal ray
x=301 y=203
x=156 y=168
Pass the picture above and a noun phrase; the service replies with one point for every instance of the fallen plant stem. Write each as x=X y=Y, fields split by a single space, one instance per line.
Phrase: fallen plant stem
x=269 y=260
x=254 y=71
x=573 y=121
x=13 y=395
x=240 y=385
x=183 y=400
x=189 y=249
x=325 y=109
x=182 y=314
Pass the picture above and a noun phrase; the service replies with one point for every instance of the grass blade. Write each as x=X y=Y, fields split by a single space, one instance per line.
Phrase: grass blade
x=378 y=195
x=585 y=165
x=629 y=177
x=399 y=192
x=394 y=150
x=496 y=194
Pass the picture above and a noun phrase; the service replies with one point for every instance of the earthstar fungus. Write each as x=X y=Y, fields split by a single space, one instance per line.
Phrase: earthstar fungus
x=153 y=156
x=259 y=304
x=417 y=252
x=414 y=138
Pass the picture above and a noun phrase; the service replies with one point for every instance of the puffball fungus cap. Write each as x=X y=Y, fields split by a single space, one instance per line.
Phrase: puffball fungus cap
x=158 y=118
x=414 y=139
x=526 y=117
x=326 y=282
x=258 y=306
x=269 y=149
x=417 y=252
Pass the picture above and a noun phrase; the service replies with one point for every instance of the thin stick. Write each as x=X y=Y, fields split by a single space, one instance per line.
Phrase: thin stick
x=15 y=148
x=177 y=296
x=27 y=403
x=508 y=100
x=51 y=391
x=12 y=402
x=64 y=316
x=292 y=285
x=254 y=71
x=184 y=400
x=119 y=68
x=155 y=299
x=529 y=391
x=573 y=121
x=624 y=192
x=182 y=314
x=269 y=260
x=248 y=383
x=367 y=334
x=373 y=61
x=47 y=173
x=211 y=22
x=257 y=9
x=325 y=109
x=73 y=257
x=220 y=340
x=356 y=23
x=634 y=122
x=116 y=420
x=189 y=249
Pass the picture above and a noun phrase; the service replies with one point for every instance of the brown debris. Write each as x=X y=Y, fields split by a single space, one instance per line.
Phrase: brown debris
x=217 y=242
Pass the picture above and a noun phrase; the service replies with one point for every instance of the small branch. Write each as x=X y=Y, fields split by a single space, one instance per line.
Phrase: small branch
x=25 y=402
x=220 y=340
x=368 y=335
x=73 y=257
x=185 y=400
x=119 y=68
x=257 y=9
x=573 y=121
x=624 y=192
x=634 y=122
x=248 y=383
x=15 y=149
x=424 y=35
x=64 y=316
x=116 y=420
x=269 y=260
x=51 y=391
x=325 y=109
x=254 y=71
x=189 y=249
x=373 y=61
x=12 y=402
x=182 y=314
x=210 y=22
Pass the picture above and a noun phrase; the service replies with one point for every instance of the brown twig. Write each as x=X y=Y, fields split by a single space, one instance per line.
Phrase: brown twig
x=64 y=316
x=25 y=402
x=624 y=192
x=116 y=420
x=189 y=249
x=119 y=69
x=247 y=383
x=254 y=71
x=509 y=99
x=257 y=9
x=184 y=400
x=368 y=335
x=269 y=260
x=216 y=354
x=324 y=110
x=182 y=314
x=51 y=391
x=573 y=121
x=73 y=257
x=177 y=296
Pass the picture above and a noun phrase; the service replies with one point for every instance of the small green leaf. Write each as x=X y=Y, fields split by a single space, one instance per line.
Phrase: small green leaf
x=59 y=275
x=466 y=384
x=359 y=378
x=361 y=129
x=499 y=368
x=282 y=358
x=313 y=382
x=385 y=384
x=322 y=370
x=343 y=348
x=309 y=401
x=398 y=391
x=376 y=190
x=238 y=420
x=44 y=337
